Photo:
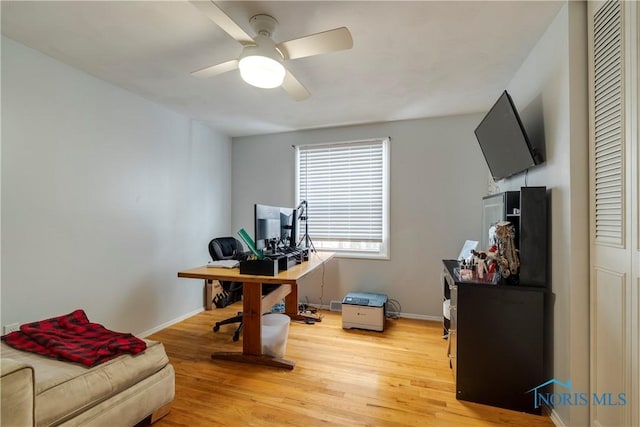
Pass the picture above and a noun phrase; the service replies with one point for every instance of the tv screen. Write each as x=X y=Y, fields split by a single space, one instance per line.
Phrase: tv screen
x=503 y=140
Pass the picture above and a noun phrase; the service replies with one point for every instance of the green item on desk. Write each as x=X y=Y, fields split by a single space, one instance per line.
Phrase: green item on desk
x=250 y=243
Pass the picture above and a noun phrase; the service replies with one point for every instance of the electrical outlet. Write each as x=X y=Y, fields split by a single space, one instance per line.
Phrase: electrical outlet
x=10 y=328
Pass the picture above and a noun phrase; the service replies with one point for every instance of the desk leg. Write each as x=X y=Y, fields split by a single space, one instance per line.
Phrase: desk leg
x=291 y=302
x=208 y=294
x=251 y=332
x=252 y=319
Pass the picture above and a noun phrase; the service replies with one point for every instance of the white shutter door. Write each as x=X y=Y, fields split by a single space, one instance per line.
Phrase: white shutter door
x=608 y=125
x=614 y=204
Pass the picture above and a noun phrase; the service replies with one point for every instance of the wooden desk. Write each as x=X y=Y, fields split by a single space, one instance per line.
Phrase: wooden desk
x=254 y=304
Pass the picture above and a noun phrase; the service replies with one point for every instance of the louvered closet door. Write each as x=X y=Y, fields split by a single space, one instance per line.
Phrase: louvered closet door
x=614 y=212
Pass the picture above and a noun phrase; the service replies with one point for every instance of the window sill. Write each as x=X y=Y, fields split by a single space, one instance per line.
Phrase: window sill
x=361 y=255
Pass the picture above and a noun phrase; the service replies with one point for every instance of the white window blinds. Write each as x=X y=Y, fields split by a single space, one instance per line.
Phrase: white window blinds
x=345 y=186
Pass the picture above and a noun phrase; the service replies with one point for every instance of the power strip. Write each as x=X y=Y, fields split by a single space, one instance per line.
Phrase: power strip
x=10 y=328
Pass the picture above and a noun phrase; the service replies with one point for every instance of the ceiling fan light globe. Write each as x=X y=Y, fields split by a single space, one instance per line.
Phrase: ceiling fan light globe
x=261 y=71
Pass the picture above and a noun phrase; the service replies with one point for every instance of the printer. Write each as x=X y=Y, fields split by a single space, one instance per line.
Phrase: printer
x=364 y=310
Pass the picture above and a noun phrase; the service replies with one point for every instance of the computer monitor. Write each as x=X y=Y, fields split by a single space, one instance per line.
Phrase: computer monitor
x=276 y=228
x=267 y=226
x=289 y=227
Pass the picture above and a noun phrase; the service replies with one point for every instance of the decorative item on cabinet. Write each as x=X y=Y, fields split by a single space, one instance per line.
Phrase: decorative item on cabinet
x=526 y=210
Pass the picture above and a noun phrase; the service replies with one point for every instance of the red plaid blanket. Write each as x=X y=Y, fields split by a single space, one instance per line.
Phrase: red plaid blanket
x=72 y=337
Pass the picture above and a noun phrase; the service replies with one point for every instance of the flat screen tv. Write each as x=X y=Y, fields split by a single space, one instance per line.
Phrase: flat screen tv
x=503 y=140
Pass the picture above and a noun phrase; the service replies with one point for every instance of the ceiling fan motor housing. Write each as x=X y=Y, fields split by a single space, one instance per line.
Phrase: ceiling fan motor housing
x=263 y=24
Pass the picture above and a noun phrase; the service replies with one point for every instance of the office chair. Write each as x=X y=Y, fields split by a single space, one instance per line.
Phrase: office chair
x=230 y=248
x=223 y=248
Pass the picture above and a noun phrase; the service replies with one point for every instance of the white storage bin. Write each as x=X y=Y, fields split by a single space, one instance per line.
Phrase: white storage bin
x=275 y=328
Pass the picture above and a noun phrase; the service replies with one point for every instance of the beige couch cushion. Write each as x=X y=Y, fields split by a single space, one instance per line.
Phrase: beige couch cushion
x=130 y=406
x=64 y=389
x=16 y=393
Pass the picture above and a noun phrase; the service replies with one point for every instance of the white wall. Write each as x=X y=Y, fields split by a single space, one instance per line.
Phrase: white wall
x=553 y=82
x=438 y=178
x=105 y=196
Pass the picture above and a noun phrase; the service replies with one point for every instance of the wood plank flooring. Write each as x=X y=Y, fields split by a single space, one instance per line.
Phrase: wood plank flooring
x=399 y=377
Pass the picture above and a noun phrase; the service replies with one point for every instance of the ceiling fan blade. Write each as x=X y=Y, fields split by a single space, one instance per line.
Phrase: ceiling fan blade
x=221 y=19
x=316 y=44
x=214 y=70
x=294 y=88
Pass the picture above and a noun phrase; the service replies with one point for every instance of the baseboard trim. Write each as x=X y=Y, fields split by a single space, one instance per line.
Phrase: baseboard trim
x=421 y=317
x=169 y=323
x=555 y=418
x=405 y=315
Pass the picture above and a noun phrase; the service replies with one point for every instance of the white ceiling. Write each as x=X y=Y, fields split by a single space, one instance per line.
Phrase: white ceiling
x=409 y=59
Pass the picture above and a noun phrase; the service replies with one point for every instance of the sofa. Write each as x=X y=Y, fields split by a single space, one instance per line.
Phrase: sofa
x=41 y=391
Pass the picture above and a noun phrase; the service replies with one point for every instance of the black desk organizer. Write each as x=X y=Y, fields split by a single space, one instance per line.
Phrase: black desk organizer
x=260 y=267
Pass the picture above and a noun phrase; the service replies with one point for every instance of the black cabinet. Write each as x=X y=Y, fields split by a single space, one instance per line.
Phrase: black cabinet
x=496 y=341
x=527 y=211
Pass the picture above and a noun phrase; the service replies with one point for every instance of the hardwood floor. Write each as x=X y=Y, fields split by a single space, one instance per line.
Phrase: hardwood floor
x=399 y=377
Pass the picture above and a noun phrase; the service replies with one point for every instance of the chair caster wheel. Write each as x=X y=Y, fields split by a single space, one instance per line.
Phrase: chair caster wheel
x=236 y=337
x=216 y=328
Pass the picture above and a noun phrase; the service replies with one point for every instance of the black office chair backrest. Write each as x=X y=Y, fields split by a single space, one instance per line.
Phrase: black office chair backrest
x=225 y=248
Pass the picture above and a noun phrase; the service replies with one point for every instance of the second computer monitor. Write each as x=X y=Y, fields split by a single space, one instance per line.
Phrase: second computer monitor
x=289 y=227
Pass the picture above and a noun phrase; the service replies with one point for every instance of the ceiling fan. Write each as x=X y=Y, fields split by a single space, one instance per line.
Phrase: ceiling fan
x=261 y=60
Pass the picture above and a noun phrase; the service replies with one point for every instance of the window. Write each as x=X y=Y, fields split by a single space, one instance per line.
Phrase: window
x=346 y=187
